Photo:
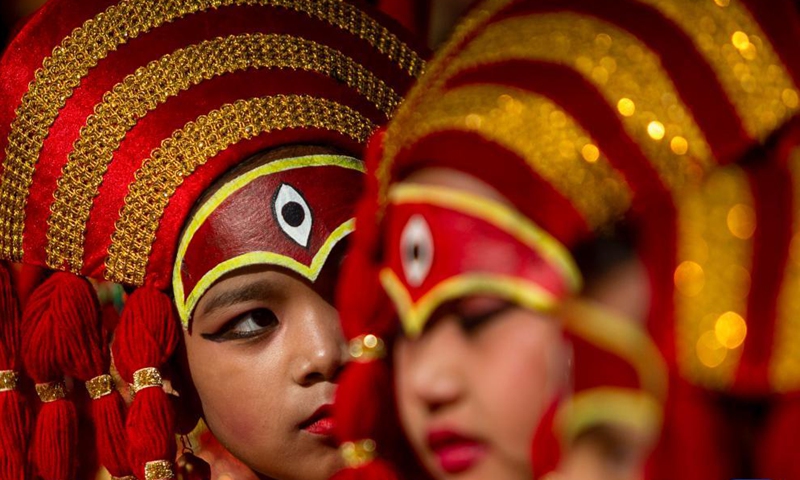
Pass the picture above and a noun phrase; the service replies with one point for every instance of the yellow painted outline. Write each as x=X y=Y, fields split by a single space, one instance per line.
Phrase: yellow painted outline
x=497 y=214
x=413 y=316
x=256 y=258
x=619 y=335
x=627 y=408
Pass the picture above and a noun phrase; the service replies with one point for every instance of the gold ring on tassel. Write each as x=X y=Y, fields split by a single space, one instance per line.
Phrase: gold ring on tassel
x=146 y=378
x=365 y=348
x=158 y=470
x=100 y=386
x=8 y=380
x=358 y=454
x=51 y=391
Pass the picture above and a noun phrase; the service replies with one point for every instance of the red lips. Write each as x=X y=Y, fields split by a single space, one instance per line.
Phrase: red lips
x=320 y=422
x=455 y=452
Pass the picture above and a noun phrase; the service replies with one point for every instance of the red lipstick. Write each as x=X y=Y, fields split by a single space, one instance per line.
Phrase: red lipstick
x=320 y=422
x=455 y=452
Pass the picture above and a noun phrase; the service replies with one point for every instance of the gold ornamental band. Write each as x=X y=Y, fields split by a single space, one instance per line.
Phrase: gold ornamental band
x=358 y=454
x=366 y=348
x=8 y=380
x=145 y=378
x=100 y=386
x=158 y=470
x=51 y=391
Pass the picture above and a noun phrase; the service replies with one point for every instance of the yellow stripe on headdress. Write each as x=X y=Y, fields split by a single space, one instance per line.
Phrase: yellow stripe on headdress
x=712 y=279
x=784 y=368
x=738 y=51
x=549 y=140
x=625 y=71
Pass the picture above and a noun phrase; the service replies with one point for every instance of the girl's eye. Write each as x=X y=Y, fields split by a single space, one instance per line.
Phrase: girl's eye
x=475 y=312
x=254 y=323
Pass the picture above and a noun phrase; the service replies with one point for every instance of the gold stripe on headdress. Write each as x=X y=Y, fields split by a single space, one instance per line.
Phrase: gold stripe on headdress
x=784 y=367
x=153 y=85
x=550 y=141
x=712 y=279
x=71 y=61
x=625 y=71
x=160 y=175
x=739 y=52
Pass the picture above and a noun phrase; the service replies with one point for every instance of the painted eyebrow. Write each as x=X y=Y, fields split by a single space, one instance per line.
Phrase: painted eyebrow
x=251 y=291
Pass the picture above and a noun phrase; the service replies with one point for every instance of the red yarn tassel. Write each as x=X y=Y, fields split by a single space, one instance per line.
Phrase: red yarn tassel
x=53 y=451
x=86 y=357
x=546 y=446
x=146 y=337
x=13 y=408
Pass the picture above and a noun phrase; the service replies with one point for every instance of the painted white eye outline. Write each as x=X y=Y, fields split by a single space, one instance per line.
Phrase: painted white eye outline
x=287 y=197
x=416 y=250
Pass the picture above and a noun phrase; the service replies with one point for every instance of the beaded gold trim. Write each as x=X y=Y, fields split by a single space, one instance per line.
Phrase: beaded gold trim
x=623 y=69
x=365 y=348
x=153 y=85
x=52 y=391
x=357 y=454
x=71 y=61
x=146 y=378
x=549 y=140
x=712 y=278
x=177 y=157
x=100 y=386
x=784 y=366
x=738 y=51
x=8 y=380
x=158 y=470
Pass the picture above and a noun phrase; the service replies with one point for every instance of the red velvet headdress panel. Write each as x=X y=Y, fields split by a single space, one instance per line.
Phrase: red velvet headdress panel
x=116 y=116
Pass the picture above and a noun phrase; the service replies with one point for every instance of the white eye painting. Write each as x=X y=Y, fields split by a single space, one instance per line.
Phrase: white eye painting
x=416 y=250
x=293 y=214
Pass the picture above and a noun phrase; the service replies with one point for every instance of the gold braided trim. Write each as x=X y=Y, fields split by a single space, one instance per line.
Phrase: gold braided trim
x=625 y=71
x=129 y=477
x=146 y=378
x=357 y=454
x=365 y=348
x=178 y=156
x=71 y=61
x=153 y=85
x=784 y=366
x=100 y=386
x=712 y=278
x=52 y=391
x=738 y=51
x=550 y=141
x=158 y=470
x=8 y=380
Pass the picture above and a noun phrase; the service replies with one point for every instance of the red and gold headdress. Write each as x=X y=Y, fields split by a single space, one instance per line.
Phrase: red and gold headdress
x=736 y=318
x=580 y=114
x=114 y=117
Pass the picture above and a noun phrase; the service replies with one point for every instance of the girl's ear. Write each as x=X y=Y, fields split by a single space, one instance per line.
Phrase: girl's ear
x=183 y=395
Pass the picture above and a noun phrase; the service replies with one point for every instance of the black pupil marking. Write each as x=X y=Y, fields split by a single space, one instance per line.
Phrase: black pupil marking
x=293 y=213
x=414 y=251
